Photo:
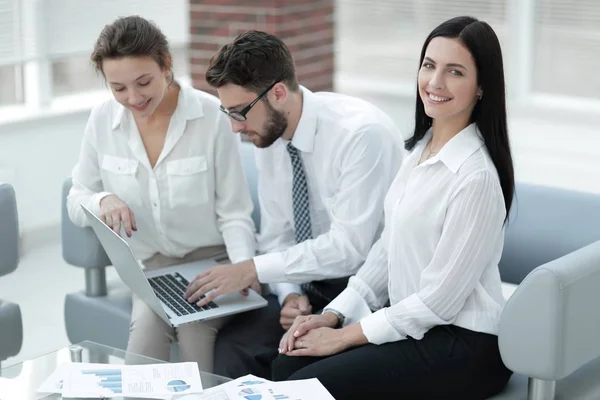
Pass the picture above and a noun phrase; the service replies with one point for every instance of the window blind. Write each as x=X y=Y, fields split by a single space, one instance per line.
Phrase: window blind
x=54 y=28
x=567 y=47
x=72 y=26
x=10 y=37
x=381 y=40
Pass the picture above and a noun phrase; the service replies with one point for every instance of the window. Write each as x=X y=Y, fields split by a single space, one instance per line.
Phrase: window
x=550 y=47
x=70 y=48
x=567 y=47
x=11 y=87
x=74 y=74
x=45 y=44
x=380 y=40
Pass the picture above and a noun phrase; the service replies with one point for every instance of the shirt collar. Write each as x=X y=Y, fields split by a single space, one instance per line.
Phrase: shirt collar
x=460 y=147
x=189 y=102
x=189 y=106
x=118 y=115
x=304 y=136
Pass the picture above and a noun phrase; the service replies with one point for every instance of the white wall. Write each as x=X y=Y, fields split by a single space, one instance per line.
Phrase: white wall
x=37 y=154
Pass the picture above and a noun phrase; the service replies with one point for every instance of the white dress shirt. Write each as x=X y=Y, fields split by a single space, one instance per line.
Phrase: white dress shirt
x=351 y=152
x=196 y=194
x=437 y=259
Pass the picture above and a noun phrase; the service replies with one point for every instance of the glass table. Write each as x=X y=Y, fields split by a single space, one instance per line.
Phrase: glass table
x=21 y=381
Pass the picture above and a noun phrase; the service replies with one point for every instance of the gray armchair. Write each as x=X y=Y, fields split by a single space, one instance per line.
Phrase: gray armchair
x=11 y=323
x=549 y=327
x=102 y=311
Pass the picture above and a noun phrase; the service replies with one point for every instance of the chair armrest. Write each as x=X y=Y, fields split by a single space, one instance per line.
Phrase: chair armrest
x=549 y=327
x=81 y=248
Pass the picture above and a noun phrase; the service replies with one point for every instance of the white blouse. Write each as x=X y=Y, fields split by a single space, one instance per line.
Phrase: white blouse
x=196 y=194
x=437 y=259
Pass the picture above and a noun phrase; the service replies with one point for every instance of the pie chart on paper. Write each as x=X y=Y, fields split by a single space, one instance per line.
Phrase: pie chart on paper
x=178 y=386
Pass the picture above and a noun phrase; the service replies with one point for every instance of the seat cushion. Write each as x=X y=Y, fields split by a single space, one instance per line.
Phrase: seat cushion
x=103 y=319
x=582 y=384
x=11 y=329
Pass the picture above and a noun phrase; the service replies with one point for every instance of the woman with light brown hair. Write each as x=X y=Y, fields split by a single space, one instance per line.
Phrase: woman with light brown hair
x=160 y=163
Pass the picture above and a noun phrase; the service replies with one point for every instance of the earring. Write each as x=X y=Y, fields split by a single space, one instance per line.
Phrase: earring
x=480 y=95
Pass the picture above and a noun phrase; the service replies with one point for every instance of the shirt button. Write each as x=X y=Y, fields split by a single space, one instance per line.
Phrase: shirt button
x=155 y=205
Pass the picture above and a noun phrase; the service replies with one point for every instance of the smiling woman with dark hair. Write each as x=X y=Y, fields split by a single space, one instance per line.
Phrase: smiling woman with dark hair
x=437 y=259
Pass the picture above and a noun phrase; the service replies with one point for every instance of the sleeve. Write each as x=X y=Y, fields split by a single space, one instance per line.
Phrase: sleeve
x=233 y=203
x=87 y=188
x=366 y=162
x=471 y=230
x=366 y=291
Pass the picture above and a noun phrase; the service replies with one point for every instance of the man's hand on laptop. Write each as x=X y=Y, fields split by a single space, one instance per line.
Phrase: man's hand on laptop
x=114 y=212
x=294 y=305
x=255 y=286
x=222 y=279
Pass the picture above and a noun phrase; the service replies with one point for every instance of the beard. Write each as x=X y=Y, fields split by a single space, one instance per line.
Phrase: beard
x=273 y=128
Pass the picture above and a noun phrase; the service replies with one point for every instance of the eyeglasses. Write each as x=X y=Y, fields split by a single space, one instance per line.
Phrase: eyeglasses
x=240 y=116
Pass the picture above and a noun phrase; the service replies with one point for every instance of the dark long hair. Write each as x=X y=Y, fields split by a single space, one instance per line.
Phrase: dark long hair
x=490 y=111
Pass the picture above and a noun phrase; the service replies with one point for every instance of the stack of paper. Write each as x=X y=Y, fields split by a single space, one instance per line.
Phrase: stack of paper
x=156 y=381
x=251 y=387
x=179 y=381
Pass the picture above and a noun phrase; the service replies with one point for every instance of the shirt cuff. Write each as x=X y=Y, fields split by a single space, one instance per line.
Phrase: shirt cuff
x=270 y=268
x=283 y=290
x=378 y=329
x=240 y=244
x=351 y=305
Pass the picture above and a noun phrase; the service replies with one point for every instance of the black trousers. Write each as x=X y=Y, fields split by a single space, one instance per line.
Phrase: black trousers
x=447 y=363
x=250 y=341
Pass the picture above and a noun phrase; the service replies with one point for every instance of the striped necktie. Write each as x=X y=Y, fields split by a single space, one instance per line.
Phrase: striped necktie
x=302 y=225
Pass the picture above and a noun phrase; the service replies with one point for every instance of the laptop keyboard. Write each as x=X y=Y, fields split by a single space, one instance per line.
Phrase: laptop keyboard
x=170 y=289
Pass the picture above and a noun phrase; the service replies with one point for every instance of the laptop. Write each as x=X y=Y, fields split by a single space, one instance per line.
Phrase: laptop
x=162 y=290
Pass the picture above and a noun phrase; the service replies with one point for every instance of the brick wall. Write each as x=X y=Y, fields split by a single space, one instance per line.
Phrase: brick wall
x=306 y=26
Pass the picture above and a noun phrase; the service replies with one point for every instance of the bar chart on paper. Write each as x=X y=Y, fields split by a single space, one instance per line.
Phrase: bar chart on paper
x=149 y=380
x=109 y=381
